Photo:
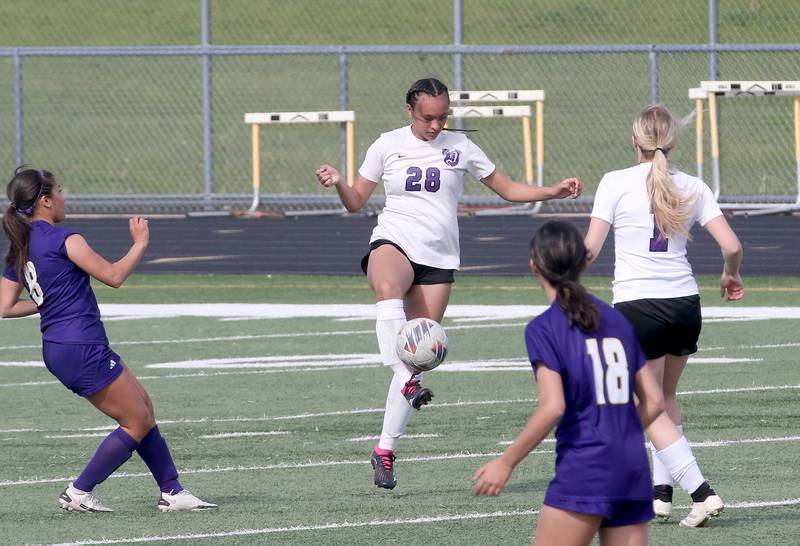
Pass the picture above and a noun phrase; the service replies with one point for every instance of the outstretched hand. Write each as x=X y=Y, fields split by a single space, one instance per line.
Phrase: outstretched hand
x=569 y=187
x=491 y=478
x=328 y=176
x=732 y=286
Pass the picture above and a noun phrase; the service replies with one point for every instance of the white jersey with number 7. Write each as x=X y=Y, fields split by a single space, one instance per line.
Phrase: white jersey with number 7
x=649 y=265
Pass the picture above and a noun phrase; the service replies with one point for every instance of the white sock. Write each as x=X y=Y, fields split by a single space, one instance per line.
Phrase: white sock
x=680 y=461
x=390 y=317
x=398 y=411
x=661 y=475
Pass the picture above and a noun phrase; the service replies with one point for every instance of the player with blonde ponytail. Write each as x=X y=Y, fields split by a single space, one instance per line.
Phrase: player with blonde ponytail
x=654 y=135
x=653 y=207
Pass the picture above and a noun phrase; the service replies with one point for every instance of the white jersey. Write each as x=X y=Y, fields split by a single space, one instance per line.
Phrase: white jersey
x=423 y=181
x=646 y=265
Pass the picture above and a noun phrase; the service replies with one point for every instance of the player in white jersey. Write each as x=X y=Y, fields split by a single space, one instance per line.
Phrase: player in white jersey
x=414 y=249
x=652 y=207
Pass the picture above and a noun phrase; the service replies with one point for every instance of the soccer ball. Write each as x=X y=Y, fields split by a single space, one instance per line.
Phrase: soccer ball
x=422 y=344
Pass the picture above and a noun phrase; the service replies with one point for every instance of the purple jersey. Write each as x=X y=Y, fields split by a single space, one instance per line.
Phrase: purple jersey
x=600 y=452
x=60 y=289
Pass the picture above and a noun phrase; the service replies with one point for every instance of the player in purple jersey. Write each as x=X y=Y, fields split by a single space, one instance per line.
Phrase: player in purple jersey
x=414 y=249
x=652 y=206
x=588 y=365
x=54 y=265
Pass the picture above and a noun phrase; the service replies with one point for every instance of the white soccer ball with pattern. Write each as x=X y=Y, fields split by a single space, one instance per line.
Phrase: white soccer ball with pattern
x=422 y=344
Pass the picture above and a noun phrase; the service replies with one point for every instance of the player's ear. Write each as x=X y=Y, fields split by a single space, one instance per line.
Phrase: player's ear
x=534 y=269
x=409 y=109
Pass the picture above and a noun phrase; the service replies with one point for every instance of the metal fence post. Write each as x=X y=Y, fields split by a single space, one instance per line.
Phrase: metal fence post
x=344 y=104
x=208 y=129
x=653 y=74
x=19 y=109
x=458 y=58
x=713 y=39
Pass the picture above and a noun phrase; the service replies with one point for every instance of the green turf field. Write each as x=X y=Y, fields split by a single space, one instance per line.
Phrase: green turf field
x=124 y=125
x=302 y=476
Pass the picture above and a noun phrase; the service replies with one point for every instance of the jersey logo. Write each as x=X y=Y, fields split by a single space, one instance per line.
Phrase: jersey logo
x=451 y=157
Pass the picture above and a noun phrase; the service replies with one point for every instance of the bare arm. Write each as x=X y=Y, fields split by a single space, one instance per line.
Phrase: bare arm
x=518 y=192
x=491 y=478
x=111 y=274
x=649 y=394
x=353 y=197
x=731 y=282
x=596 y=237
x=10 y=304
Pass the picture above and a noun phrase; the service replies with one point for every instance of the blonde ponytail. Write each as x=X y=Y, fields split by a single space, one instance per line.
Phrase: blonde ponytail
x=655 y=132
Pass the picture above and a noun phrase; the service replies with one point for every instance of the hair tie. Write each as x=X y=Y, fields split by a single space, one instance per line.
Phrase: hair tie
x=660 y=150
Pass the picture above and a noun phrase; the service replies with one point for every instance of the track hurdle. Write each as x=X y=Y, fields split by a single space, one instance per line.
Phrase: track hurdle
x=535 y=96
x=255 y=120
x=699 y=95
x=715 y=89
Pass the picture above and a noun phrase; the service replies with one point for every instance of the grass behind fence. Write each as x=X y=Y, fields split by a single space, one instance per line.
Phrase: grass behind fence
x=131 y=126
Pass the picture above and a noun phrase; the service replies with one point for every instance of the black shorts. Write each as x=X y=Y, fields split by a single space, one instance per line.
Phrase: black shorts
x=665 y=326
x=423 y=274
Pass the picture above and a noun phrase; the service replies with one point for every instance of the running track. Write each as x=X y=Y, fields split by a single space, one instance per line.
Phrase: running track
x=334 y=245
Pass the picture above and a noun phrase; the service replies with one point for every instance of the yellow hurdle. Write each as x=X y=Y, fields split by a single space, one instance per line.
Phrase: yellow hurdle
x=743 y=88
x=526 y=95
x=347 y=117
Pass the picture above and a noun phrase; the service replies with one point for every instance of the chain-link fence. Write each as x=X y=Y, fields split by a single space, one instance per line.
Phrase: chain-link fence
x=141 y=103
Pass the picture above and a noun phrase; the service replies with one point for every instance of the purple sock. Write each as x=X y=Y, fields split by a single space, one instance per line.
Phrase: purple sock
x=113 y=451
x=154 y=452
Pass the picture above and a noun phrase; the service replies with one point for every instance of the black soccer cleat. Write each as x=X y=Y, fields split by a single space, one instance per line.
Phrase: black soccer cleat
x=416 y=394
x=383 y=465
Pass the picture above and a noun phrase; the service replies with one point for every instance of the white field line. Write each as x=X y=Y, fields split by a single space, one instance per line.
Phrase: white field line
x=84 y=435
x=325 y=464
x=366 y=312
x=707 y=443
x=326 y=362
x=765 y=346
x=301 y=528
x=288 y=417
x=509 y=442
x=261 y=468
x=432 y=407
x=373 y=523
x=243 y=434
x=368 y=332
x=205 y=374
x=287 y=335
x=720 y=443
x=279 y=361
x=407 y=436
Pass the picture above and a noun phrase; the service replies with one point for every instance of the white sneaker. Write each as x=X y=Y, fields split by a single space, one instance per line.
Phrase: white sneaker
x=662 y=509
x=702 y=511
x=74 y=500
x=182 y=501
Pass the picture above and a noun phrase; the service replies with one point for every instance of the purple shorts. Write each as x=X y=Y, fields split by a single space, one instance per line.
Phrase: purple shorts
x=614 y=513
x=83 y=369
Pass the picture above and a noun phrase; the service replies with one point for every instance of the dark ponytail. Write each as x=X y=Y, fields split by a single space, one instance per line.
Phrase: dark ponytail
x=558 y=251
x=24 y=190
